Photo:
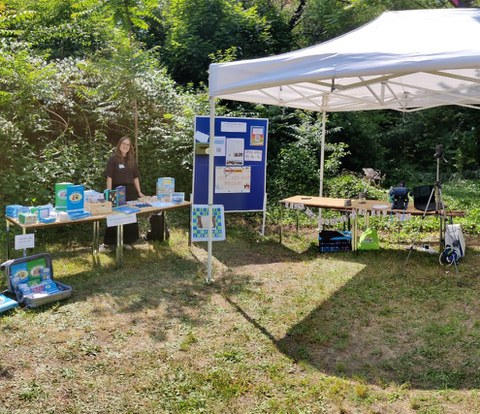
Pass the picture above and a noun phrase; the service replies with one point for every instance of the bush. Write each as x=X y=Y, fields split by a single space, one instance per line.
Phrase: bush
x=349 y=185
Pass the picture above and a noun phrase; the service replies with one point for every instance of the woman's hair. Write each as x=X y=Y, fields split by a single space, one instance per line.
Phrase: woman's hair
x=130 y=159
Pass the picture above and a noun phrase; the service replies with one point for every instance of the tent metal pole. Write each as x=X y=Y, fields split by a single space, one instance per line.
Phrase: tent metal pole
x=264 y=214
x=211 y=155
x=322 y=157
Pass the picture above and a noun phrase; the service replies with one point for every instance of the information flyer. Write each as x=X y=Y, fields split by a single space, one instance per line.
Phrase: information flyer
x=232 y=179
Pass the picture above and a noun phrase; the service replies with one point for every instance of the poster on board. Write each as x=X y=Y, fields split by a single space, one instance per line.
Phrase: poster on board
x=232 y=180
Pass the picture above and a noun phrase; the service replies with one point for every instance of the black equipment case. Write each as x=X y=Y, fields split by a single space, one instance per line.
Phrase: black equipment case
x=30 y=279
x=334 y=241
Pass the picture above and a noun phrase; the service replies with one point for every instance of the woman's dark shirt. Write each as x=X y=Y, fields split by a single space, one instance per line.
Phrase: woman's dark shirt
x=120 y=172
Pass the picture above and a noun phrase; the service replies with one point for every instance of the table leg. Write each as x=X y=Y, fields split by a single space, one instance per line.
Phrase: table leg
x=96 y=237
x=119 y=249
x=297 y=221
x=281 y=222
x=24 y=231
x=354 y=233
x=164 y=229
x=189 y=226
x=7 y=238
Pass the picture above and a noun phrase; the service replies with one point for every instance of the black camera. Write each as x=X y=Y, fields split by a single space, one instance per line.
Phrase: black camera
x=438 y=151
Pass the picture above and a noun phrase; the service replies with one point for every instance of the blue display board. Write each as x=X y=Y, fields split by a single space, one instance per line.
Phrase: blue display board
x=240 y=162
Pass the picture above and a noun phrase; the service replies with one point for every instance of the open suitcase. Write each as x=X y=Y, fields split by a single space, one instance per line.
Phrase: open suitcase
x=30 y=279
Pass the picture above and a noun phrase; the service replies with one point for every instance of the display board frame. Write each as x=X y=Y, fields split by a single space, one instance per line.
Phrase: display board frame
x=240 y=163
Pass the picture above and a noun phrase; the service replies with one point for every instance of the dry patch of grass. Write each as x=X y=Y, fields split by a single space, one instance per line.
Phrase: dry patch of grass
x=281 y=330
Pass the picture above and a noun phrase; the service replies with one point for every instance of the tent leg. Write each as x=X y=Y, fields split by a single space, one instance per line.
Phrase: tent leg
x=210 y=187
x=322 y=159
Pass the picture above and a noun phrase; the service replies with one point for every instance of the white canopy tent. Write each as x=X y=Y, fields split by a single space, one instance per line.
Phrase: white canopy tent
x=405 y=61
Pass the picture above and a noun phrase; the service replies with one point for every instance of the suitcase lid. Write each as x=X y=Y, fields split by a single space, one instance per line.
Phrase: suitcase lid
x=28 y=270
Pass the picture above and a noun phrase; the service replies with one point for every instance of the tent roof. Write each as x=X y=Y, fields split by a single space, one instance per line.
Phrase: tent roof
x=405 y=60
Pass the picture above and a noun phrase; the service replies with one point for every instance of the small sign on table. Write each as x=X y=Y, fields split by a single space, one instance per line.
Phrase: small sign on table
x=119 y=219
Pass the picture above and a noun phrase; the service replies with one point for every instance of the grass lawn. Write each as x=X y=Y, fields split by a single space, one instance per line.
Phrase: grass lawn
x=282 y=329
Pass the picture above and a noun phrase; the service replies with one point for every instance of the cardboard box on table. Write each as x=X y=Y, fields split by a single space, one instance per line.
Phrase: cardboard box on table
x=98 y=208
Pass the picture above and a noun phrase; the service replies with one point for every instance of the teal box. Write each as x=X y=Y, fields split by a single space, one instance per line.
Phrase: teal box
x=178 y=198
x=165 y=185
x=75 y=198
x=111 y=195
x=27 y=218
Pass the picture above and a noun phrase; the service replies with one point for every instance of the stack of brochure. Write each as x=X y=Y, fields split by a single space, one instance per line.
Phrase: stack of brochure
x=6 y=303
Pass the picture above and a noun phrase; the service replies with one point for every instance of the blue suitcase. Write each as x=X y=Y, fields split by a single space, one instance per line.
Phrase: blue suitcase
x=30 y=279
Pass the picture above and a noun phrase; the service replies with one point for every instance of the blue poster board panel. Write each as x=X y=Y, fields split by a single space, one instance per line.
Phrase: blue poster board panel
x=239 y=163
x=200 y=223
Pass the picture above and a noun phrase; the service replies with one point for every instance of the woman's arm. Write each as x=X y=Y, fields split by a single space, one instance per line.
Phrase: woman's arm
x=109 y=183
x=136 y=181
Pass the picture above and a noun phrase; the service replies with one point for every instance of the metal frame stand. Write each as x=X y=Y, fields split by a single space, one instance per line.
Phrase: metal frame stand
x=439 y=206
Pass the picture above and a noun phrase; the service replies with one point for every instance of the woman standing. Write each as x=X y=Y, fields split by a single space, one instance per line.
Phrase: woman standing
x=122 y=169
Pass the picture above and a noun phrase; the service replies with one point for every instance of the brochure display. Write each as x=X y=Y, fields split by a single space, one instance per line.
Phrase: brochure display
x=240 y=162
x=6 y=303
x=118 y=216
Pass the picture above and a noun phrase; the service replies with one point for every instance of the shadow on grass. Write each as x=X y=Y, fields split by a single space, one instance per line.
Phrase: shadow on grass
x=257 y=251
x=392 y=322
x=388 y=323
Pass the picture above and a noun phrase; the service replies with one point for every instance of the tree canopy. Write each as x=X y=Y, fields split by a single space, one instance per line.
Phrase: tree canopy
x=75 y=75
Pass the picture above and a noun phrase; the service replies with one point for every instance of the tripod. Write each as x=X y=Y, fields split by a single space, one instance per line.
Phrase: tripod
x=439 y=204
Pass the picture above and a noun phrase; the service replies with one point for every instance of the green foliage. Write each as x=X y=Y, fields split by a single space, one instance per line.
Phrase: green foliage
x=50 y=29
x=197 y=31
x=345 y=185
x=24 y=82
x=10 y=19
x=74 y=77
x=131 y=15
x=295 y=172
x=349 y=185
x=294 y=154
x=77 y=112
x=29 y=173
x=402 y=146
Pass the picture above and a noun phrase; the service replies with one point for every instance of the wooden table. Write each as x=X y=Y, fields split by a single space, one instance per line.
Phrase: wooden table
x=95 y=220
x=339 y=204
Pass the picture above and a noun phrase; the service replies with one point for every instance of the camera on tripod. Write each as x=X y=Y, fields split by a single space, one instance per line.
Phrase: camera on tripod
x=438 y=151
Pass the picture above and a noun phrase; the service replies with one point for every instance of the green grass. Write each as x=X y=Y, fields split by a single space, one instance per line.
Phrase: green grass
x=281 y=330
